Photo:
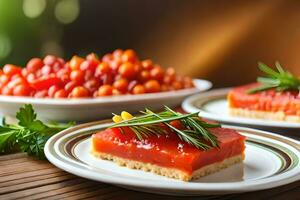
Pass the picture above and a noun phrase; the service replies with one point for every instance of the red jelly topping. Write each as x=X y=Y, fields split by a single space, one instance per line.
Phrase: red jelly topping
x=168 y=150
x=269 y=100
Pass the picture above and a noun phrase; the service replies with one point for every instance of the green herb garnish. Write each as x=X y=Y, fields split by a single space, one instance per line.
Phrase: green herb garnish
x=29 y=135
x=195 y=131
x=280 y=80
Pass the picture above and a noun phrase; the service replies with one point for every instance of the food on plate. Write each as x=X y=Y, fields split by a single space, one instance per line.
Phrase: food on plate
x=120 y=72
x=275 y=97
x=171 y=144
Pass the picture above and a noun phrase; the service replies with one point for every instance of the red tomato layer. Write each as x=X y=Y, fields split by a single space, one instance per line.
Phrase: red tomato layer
x=268 y=101
x=168 y=150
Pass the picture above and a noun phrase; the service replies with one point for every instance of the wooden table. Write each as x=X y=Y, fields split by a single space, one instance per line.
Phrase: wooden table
x=22 y=177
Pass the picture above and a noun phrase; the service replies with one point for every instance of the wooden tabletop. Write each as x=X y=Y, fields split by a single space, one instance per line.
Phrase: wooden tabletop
x=22 y=177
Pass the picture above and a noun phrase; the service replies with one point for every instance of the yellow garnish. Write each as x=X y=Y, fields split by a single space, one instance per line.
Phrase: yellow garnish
x=117 y=118
x=126 y=115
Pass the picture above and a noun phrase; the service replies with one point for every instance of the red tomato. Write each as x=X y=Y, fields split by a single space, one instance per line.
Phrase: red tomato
x=41 y=94
x=79 y=92
x=75 y=62
x=117 y=53
x=129 y=56
x=127 y=70
x=115 y=65
x=4 y=79
x=177 y=85
x=131 y=85
x=46 y=70
x=157 y=73
x=93 y=57
x=92 y=85
x=105 y=90
x=121 y=85
x=30 y=77
x=152 y=86
x=16 y=81
x=147 y=64
x=52 y=90
x=60 y=94
x=45 y=82
x=49 y=60
x=77 y=76
x=102 y=68
x=138 y=89
x=70 y=85
x=7 y=91
x=107 y=58
x=25 y=72
x=10 y=69
x=21 y=90
x=34 y=64
x=88 y=65
x=144 y=76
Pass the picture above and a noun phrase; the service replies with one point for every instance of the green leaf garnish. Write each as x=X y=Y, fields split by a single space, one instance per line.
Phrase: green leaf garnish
x=195 y=131
x=280 y=80
x=29 y=135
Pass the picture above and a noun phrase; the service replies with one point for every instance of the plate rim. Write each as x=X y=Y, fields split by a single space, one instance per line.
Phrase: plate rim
x=187 y=105
x=193 y=187
x=201 y=86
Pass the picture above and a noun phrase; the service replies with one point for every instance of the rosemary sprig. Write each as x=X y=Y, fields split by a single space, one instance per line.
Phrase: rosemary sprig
x=280 y=80
x=195 y=131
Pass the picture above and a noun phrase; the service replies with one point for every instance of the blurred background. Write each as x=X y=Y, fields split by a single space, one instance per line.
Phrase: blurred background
x=217 y=40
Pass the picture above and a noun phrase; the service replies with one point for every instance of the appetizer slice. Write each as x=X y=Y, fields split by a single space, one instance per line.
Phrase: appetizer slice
x=169 y=144
x=275 y=97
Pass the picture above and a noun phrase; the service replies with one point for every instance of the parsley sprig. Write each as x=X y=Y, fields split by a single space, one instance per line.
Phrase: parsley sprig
x=195 y=131
x=280 y=80
x=29 y=135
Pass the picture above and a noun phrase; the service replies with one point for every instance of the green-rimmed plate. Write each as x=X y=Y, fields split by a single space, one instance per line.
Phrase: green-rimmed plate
x=213 y=105
x=271 y=161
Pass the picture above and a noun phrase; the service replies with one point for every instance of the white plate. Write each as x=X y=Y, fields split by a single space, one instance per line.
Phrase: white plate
x=98 y=108
x=213 y=105
x=271 y=161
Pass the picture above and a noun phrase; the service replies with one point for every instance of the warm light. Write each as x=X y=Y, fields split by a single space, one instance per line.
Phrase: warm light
x=66 y=11
x=33 y=8
x=5 y=46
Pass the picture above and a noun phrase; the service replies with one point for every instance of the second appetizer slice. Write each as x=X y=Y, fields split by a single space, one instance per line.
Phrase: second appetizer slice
x=169 y=144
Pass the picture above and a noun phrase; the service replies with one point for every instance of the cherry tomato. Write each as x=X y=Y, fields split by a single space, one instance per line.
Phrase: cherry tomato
x=92 y=85
x=116 y=92
x=89 y=74
x=107 y=58
x=171 y=72
x=46 y=70
x=79 y=92
x=52 y=90
x=107 y=79
x=21 y=90
x=177 y=124
x=10 y=69
x=45 y=82
x=177 y=85
x=147 y=64
x=138 y=89
x=7 y=91
x=41 y=94
x=49 y=60
x=34 y=64
x=144 y=75
x=70 y=86
x=102 y=68
x=127 y=70
x=75 y=62
x=115 y=65
x=131 y=85
x=157 y=73
x=93 y=57
x=60 y=94
x=152 y=86
x=121 y=85
x=117 y=53
x=16 y=81
x=77 y=76
x=88 y=65
x=4 y=79
x=105 y=90
x=129 y=56
x=30 y=77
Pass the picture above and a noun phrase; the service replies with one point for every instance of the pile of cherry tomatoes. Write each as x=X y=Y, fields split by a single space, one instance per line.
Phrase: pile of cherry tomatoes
x=120 y=72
